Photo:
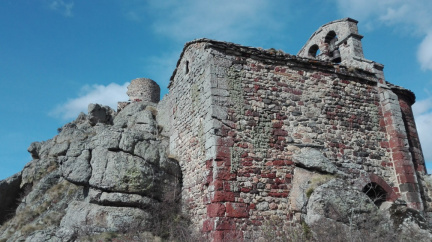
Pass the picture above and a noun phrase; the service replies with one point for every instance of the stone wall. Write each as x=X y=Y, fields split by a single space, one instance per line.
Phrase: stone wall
x=185 y=116
x=273 y=111
x=237 y=115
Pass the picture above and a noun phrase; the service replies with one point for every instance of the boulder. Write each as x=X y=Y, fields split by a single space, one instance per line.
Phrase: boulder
x=82 y=219
x=313 y=159
x=99 y=114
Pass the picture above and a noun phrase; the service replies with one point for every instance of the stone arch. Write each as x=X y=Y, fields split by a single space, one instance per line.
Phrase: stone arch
x=346 y=31
x=373 y=181
x=375 y=192
x=330 y=36
x=333 y=50
x=313 y=51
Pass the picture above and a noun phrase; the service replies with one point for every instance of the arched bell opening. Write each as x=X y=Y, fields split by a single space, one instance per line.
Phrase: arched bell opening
x=313 y=50
x=334 y=53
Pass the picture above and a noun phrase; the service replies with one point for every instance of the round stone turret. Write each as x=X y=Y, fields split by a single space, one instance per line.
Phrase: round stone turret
x=143 y=89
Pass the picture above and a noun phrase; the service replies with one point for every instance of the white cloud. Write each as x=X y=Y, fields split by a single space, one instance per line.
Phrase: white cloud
x=423 y=117
x=422 y=106
x=105 y=95
x=181 y=21
x=424 y=53
x=408 y=17
x=62 y=7
x=223 y=19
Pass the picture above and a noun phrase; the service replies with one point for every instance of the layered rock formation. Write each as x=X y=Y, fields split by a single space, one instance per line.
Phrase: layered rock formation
x=103 y=172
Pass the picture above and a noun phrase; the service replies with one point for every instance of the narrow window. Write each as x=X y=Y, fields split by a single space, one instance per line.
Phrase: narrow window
x=187 y=67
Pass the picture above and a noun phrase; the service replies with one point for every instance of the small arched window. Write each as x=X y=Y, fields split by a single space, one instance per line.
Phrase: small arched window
x=330 y=36
x=376 y=193
x=313 y=51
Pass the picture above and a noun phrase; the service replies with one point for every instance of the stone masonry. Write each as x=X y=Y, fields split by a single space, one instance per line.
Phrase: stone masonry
x=236 y=116
x=144 y=89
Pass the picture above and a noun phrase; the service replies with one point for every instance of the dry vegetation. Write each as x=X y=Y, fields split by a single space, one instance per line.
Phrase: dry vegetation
x=38 y=214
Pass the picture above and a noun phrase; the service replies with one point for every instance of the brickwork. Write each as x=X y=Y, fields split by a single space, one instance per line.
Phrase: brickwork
x=399 y=147
x=236 y=115
x=413 y=138
x=272 y=111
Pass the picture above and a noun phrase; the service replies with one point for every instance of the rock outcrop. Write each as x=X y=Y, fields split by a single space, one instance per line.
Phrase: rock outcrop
x=105 y=172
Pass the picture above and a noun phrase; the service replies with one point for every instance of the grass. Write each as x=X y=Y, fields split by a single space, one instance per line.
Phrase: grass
x=317 y=181
x=41 y=212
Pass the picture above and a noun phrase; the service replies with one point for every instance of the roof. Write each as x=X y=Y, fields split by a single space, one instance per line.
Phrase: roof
x=279 y=57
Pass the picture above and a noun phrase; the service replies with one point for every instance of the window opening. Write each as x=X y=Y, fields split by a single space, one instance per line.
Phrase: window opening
x=187 y=67
x=313 y=50
x=376 y=193
x=334 y=53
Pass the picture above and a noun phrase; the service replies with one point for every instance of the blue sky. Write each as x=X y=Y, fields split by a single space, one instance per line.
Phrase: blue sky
x=56 y=56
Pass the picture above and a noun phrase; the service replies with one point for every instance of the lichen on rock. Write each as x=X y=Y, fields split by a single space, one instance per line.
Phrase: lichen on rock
x=114 y=173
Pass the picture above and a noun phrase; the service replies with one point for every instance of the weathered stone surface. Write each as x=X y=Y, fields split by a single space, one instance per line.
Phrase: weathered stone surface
x=304 y=183
x=83 y=218
x=143 y=89
x=47 y=234
x=34 y=149
x=120 y=171
x=99 y=114
x=9 y=195
x=123 y=167
x=37 y=169
x=107 y=138
x=77 y=169
x=120 y=199
x=336 y=201
x=127 y=117
x=313 y=159
x=128 y=140
x=427 y=186
x=44 y=184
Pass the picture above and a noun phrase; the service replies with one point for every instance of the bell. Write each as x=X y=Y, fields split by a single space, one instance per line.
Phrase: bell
x=336 y=56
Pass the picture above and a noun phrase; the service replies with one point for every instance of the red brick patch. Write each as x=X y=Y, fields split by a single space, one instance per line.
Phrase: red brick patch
x=208 y=225
x=215 y=210
x=237 y=210
x=222 y=196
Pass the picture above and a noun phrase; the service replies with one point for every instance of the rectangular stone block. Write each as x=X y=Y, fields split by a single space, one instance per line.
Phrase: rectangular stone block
x=407 y=178
x=413 y=197
x=208 y=225
x=237 y=210
x=224 y=224
x=408 y=187
x=215 y=210
x=222 y=196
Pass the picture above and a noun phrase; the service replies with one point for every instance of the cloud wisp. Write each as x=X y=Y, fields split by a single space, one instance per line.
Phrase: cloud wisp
x=106 y=95
x=60 y=6
x=223 y=19
x=423 y=116
x=408 y=17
